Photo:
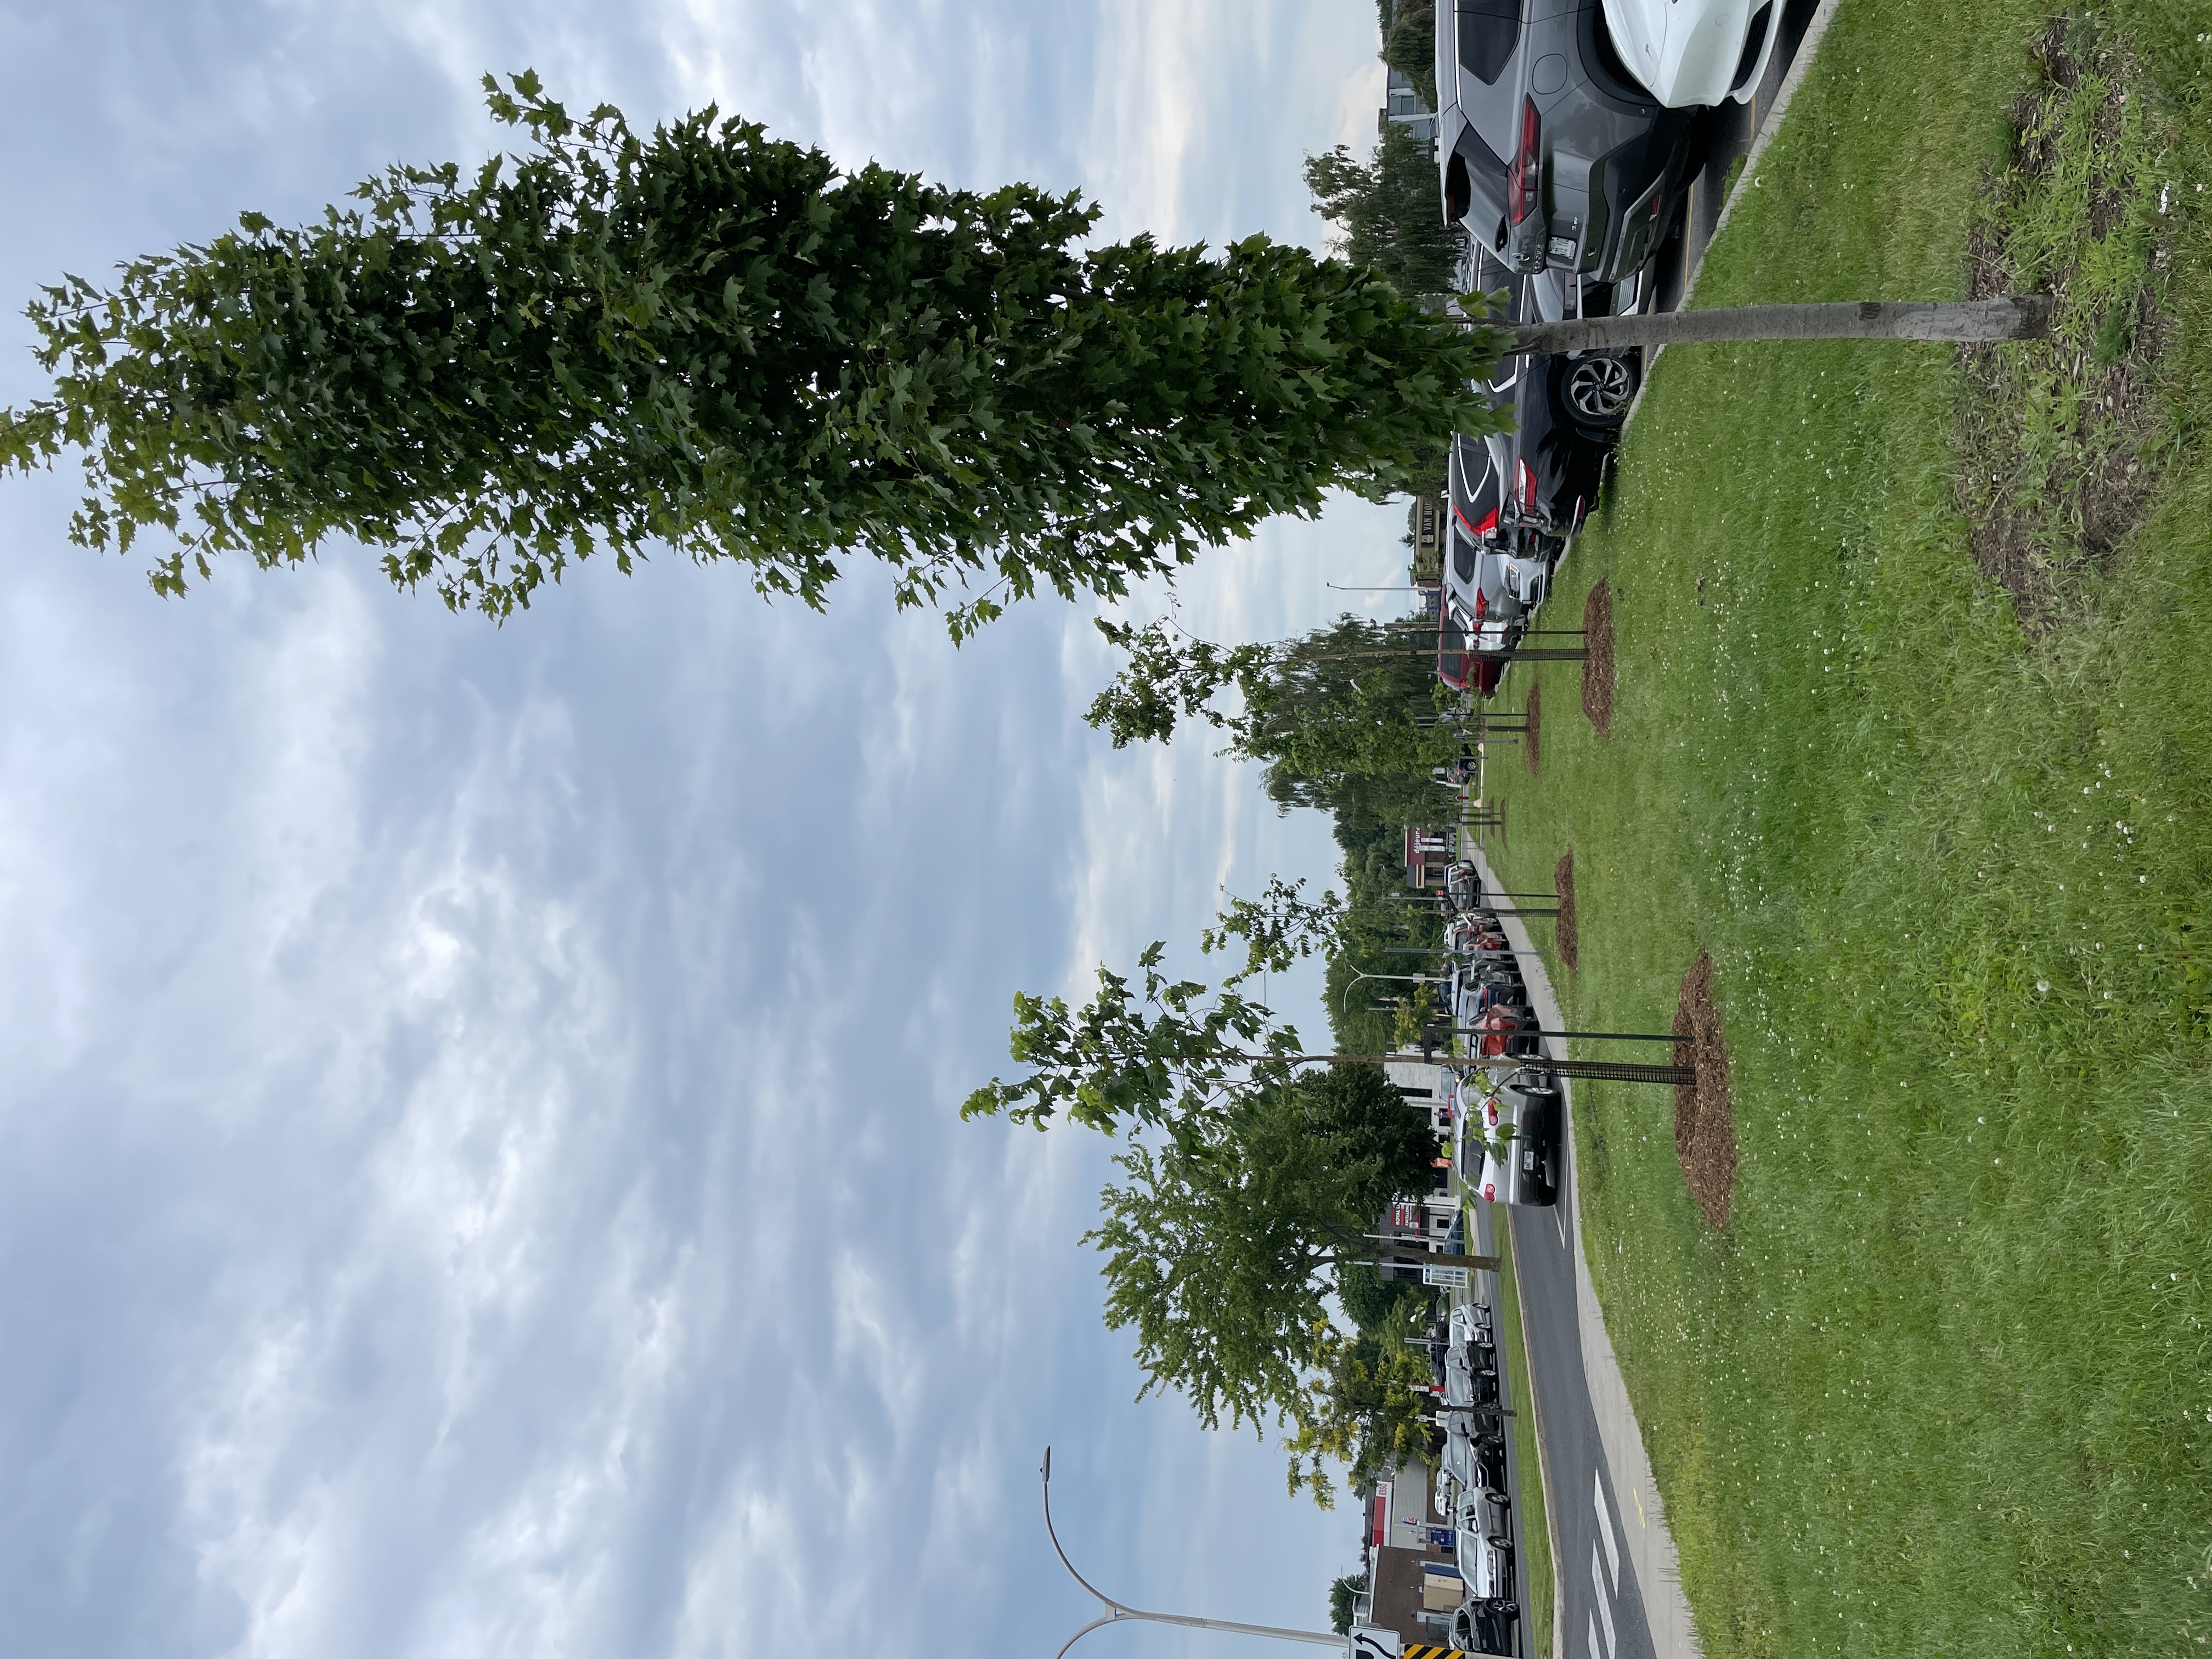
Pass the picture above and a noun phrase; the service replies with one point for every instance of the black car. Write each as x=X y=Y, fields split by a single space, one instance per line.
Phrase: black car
x=1524 y=1168
x=1486 y=1628
x=1520 y=494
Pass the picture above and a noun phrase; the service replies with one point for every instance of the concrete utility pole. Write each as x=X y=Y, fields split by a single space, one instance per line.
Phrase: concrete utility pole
x=1969 y=322
x=1116 y=1611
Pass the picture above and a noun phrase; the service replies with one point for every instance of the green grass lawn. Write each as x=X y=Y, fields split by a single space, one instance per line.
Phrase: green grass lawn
x=1536 y=1526
x=1943 y=1382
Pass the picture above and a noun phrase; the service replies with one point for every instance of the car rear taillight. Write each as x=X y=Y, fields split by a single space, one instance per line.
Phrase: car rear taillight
x=1481 y=603
x=1525 y=176
x=1489 y=1192
x=1525 y=482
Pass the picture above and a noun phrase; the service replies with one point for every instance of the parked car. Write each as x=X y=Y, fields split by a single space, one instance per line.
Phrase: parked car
x=1481 y=615
x=1463 y=883
x=1502 y=546
x=1485 y=1628
x=1519 y=1158
x=1550 y=151
x=1473 y=1449
x=1460 y=642
x=1584 y=394
x=1506 y=1032
x=1465 y=1383
x=1486 y=1513
x=1471 y=1329
x=1484 y=1561
x=1692 y=52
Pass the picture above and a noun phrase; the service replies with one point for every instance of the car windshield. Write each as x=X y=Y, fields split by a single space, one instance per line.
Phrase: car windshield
x=1488 y=30
x=1452 y=654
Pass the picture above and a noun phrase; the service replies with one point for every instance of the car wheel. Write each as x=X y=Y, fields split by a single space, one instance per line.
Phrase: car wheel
x=1598 y=390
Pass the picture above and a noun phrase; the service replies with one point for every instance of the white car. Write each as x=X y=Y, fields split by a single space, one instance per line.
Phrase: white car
x=1470 y=1327
x=1691 y=53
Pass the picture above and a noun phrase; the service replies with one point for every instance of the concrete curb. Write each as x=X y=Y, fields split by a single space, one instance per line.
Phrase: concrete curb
x=1649 y=1544
x=1808 y=49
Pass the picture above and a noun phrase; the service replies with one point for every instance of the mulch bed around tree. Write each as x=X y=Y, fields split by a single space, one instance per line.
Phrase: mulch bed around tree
x=1532 y=717
x=1597 y=667
x=1705 y=1126
x=1563 y=927
x=2031 y=524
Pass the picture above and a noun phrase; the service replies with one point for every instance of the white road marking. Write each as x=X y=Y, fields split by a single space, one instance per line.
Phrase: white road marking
x=1604 y=1602
x=1560 y=1224
x=1593 y=1652
x=1604 y=1531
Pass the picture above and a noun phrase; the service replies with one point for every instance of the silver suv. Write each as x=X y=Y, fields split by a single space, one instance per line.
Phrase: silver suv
x=1551 y=153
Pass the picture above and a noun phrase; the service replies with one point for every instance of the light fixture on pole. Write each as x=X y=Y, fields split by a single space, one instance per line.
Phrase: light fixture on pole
x=1116 y=1611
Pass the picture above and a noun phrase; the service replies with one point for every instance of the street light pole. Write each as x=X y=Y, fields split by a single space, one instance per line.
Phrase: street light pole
x=1115 y=1612
x=1418 y=979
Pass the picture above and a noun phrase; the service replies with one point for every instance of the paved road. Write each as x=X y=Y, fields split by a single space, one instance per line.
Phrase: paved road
x=1603 y=1606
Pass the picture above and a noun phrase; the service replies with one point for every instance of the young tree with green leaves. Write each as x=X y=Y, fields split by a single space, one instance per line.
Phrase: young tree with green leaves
x=1260 y=1191
x=1386 y=212
x=1409 y=45
x=1366 y=1406
x=1225 y=1240
x=1354 y=700
x=1172 y=1054
x=707 y=338
x=1342 y=1599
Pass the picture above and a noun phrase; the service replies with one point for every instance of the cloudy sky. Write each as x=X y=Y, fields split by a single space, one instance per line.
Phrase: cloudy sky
x=479 y=1168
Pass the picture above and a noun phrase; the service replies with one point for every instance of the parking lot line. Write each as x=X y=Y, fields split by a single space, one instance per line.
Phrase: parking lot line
x=1605 y=1530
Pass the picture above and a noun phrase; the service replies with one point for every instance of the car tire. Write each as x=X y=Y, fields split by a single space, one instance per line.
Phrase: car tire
x=1596 y=389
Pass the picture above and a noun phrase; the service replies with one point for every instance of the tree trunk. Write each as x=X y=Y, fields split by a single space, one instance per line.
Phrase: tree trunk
x=2010 y=317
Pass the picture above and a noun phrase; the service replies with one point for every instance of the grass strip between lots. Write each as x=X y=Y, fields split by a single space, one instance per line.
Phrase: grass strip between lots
x=1535 y=1519
x=1943 y=1384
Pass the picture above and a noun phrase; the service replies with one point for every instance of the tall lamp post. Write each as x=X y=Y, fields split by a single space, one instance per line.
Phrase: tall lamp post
x=1115 y=1612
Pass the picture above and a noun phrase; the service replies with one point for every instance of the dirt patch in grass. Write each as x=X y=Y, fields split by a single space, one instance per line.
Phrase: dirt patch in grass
x=1705 y=1125
x=1597 y=667
x=1532 y=723
x=1564 y=936
x=2056 y=435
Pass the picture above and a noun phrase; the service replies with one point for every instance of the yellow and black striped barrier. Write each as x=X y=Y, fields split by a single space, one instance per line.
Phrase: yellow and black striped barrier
x=1421 y=1650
